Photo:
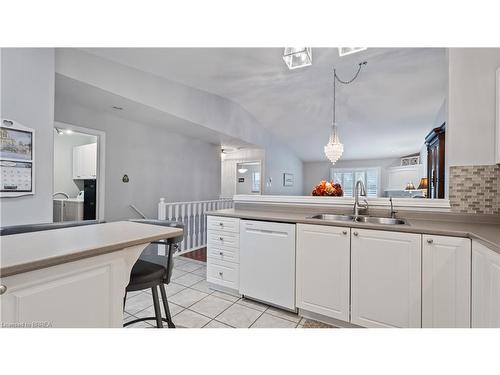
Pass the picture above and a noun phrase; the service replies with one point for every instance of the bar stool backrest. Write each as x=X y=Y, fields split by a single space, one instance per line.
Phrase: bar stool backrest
x=161 y=252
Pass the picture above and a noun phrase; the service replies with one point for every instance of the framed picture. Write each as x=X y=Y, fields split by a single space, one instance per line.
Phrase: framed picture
x=411 y=160
x=16 y=159
x=287 y=179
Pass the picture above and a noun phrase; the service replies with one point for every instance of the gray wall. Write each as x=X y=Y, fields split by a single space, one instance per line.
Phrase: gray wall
x=159 y=163
x=63 y=161
x=471 y=106
x=27 y=96
x=314 y=172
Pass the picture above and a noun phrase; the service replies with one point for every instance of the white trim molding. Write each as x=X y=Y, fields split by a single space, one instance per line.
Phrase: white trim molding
x=420 y=204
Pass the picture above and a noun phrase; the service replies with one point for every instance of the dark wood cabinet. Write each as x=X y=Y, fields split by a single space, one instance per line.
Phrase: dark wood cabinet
x=435 y=142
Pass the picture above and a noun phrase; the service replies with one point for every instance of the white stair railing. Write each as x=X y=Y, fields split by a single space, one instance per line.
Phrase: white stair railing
x=192 y=215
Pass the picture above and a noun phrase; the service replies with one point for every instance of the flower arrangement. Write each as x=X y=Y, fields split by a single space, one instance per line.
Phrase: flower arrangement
x=328 y=189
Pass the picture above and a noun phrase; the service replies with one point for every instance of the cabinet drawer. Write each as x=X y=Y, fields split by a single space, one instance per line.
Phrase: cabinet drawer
x=223 y=253
x=219 y=238
x=226 y=224
x=223 y=273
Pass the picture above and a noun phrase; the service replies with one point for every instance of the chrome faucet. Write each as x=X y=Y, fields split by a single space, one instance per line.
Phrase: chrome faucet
x=359 y=190
x=393 y=213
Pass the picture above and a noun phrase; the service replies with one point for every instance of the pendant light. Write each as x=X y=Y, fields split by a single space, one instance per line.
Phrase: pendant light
x=334 y=148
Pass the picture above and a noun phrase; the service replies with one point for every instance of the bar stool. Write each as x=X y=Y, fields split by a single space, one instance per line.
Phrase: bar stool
x=153 y=270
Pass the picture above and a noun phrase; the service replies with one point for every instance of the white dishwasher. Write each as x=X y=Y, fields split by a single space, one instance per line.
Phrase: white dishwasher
x=267 y=262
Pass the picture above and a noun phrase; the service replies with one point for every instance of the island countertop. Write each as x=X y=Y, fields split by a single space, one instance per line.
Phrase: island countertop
x=426 y=223
x=31 y=251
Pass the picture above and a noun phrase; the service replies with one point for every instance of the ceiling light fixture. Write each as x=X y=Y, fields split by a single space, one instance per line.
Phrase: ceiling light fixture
x=242 y=170
x=69 y=131
x=344 y=51
x=334 y=148
x=297 y=57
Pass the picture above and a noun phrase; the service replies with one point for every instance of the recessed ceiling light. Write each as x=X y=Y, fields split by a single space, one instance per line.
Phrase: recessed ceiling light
x=344 y=51
x=69 y=131
x=117 y=108
x=242 y=170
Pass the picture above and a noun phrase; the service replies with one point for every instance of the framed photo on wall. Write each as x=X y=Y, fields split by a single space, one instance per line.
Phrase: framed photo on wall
x=288 y=179
x=16 y=159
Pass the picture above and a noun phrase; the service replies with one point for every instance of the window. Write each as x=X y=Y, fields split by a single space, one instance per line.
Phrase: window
x=347 y=178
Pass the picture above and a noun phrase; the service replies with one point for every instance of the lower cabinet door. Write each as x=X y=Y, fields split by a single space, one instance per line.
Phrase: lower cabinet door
x=323 y=270
x=385 y=278
x=485 y=287
x=446 y=282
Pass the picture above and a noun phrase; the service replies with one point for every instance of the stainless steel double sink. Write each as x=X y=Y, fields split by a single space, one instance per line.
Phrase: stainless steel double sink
x=360 y=219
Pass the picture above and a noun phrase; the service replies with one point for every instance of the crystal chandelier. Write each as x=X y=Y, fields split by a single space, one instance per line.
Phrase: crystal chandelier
x=334 y=148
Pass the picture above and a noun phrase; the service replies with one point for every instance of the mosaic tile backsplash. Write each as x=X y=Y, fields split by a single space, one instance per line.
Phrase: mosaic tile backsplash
x=475 y=189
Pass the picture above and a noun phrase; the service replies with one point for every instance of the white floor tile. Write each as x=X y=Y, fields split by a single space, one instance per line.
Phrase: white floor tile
x=187 y=297
x=283 y=314
x=252 y=304
x=173 y=288
x=140 y=325
x=202 y=271
x=216 y=324
x=150 y=311
x=188 y=279
x=202 y=286
x=271 y=321
x=189 y=266
x=225 y=296
x=176 y=273
x=138 y=303
x=190 y=319
x=239 y=316
x=211 y=306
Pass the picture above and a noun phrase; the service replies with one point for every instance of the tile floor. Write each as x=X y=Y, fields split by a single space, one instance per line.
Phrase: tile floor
x=194 y=305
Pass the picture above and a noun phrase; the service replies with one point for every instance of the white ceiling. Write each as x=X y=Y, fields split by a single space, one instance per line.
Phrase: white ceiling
x=71 y=91
x=386 y=112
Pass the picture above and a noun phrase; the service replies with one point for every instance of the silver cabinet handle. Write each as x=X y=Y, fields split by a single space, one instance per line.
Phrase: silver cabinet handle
x=430 y=240
x=344 y=232
x=3 y=289
x=355 y=233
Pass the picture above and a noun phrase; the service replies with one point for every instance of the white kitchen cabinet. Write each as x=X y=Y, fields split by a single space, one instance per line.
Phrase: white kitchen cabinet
x=83 y=293
x=85 y=162
x=446 y=282
x=322 y=276
x=223 y=248
x=485 y=287
x=385 y=278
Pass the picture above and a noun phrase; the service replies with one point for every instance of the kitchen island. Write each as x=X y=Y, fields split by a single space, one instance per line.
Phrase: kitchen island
x=71 y=277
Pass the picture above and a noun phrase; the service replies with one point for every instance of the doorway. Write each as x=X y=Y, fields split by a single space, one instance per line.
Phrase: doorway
x=78 y=176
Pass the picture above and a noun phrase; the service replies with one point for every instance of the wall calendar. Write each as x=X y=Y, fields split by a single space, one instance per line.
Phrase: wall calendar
x=17 y=156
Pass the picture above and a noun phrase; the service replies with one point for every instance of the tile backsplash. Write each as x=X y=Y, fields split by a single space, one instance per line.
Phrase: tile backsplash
x=475 y=189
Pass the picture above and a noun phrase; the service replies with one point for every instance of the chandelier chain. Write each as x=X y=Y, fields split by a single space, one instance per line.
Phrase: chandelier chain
x=337 y=78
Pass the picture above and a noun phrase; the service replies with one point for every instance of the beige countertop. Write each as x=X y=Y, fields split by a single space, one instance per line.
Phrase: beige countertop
x=31 y=251
x=486 y=233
